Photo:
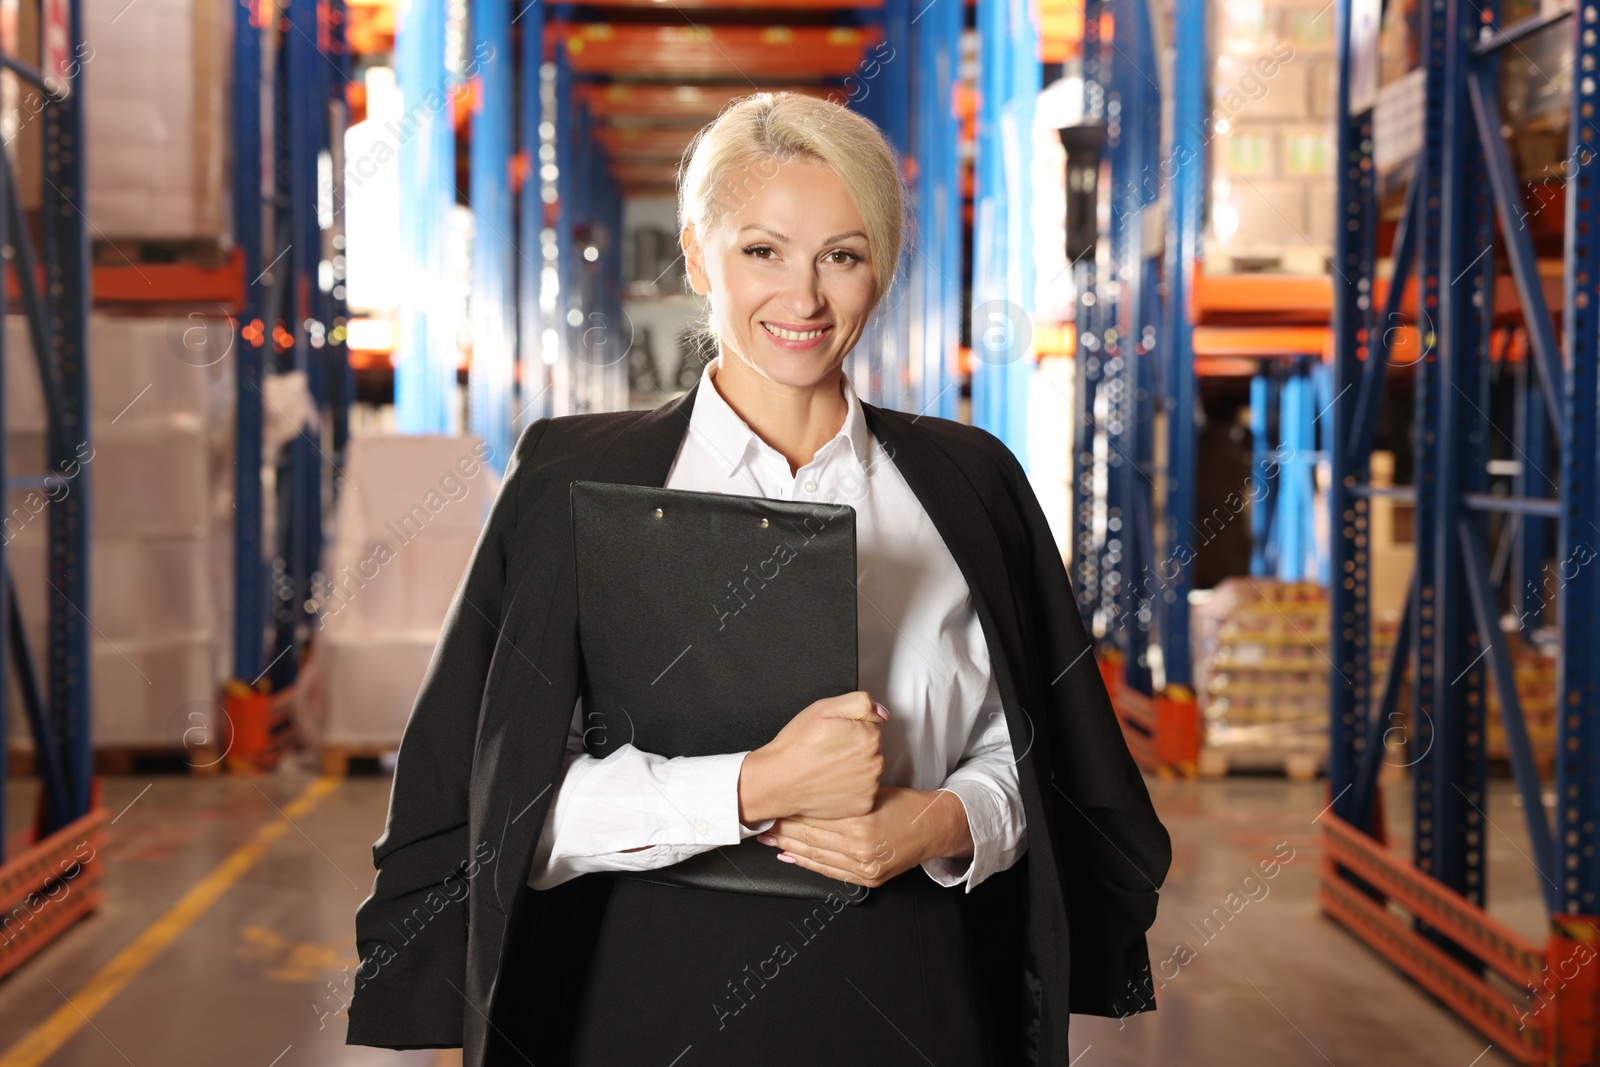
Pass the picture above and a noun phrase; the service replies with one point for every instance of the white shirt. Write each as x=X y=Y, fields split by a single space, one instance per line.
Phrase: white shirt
x=921 y=654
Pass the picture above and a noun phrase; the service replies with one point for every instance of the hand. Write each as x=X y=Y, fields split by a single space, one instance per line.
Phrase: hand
x=906 y=827
x=824 y=763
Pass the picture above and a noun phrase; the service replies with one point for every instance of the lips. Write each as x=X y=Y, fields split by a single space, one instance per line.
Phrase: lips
x=795 y=332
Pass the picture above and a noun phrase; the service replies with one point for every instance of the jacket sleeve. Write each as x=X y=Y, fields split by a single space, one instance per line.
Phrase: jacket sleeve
x=411 y=932
x=1120 y=850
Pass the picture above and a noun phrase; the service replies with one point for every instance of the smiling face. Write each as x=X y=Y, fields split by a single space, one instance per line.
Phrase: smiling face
x=788 y=271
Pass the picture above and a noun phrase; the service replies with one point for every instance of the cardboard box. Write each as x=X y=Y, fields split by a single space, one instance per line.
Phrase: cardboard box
x=1322 y=210
x=1249 y=150
x=1250 y=88
x=159 y=128
x=1271 y=214
x=1306 y=150
x=1323 y=87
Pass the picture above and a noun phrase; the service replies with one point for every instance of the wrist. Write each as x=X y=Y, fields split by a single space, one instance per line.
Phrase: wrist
x=761 y=790
x=954 y=839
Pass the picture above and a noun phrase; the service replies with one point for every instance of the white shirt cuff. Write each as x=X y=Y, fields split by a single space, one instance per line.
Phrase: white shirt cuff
x=984 y=823
x=746 y=830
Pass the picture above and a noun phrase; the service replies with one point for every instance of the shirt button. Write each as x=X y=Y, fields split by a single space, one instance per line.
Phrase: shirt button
x=811 y=486
x=702 y=827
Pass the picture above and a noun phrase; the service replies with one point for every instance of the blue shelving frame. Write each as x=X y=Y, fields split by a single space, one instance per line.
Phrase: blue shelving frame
x=1135 y=348
x=1452 y=636
x=288 y=228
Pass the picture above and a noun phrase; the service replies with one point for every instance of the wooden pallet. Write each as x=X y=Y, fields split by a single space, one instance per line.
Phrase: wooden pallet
x=1298 y=766
x=335 y=759
x=200 y=251
x=136 y=759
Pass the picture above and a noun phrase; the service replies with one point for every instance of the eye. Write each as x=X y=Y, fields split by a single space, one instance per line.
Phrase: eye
x=848 y=257
x=758 y=251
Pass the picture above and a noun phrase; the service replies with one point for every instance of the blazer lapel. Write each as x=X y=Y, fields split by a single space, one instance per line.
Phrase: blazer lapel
x=642 y=454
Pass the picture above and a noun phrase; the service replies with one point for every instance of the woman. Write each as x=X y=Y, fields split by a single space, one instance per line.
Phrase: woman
x=977 y=790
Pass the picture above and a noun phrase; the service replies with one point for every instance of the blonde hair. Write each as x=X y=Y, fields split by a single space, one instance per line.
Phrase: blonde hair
x=769 y=129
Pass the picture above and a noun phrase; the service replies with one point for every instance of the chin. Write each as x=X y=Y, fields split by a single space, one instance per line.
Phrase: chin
x=798 y=369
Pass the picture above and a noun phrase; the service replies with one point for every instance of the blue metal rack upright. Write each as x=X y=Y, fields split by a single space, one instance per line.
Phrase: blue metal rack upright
x=290 y=66
x=934 y=273
x=1135 y=350
x=492 y=377
x=69 y=817
x=1002 y=248
x=1461 y=181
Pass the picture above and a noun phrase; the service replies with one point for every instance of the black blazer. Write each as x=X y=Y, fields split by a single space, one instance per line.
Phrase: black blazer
x=458 y=950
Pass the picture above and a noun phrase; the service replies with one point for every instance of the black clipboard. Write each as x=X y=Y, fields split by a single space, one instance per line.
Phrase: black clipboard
x=706 y=622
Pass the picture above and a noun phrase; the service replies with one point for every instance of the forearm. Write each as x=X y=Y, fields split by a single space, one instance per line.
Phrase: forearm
x=637 y=810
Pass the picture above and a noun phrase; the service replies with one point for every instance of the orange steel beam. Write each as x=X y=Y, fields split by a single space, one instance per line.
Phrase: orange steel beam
x=773 y=52
x=1263 y=342
x=50 y=886
x=162 y=283
x=646 y=173
x=751 y=5
x=1538 y=1030
x=697 y=104
x=172 y=283
x=636 y=143
x=1307 y=300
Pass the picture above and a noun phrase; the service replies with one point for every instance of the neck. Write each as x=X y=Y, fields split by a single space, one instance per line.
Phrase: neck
x=796 y=420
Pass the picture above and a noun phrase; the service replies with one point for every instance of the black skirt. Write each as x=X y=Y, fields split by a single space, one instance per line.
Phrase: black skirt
x=685 y=977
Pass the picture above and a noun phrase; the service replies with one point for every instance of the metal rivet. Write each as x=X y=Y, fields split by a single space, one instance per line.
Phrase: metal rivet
x=658 y=513
x=763 y=524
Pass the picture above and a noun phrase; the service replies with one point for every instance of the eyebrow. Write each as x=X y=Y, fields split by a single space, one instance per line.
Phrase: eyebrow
x=783 y=237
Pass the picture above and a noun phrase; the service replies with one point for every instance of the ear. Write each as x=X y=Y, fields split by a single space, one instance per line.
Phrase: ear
x=694 y=260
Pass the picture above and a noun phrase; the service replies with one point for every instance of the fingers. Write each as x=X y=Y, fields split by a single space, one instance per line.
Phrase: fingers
x=860 y=706
x=832 y=872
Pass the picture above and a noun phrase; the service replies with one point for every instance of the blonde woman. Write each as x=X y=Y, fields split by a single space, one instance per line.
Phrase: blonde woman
x=975 y=799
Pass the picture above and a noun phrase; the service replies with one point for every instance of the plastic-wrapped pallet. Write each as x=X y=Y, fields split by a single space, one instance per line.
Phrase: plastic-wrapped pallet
x=1270 y=138
x=410 y=512
x=1262 y=673
x=159 y=463
x=159 y=129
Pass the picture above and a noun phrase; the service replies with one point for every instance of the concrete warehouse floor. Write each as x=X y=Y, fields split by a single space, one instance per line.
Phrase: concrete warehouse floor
x=229 y=906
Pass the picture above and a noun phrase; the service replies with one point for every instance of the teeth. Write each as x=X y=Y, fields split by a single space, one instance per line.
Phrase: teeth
x=791 y=335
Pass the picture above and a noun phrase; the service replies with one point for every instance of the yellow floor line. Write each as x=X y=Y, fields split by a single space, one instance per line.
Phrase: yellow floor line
x=43 y=1040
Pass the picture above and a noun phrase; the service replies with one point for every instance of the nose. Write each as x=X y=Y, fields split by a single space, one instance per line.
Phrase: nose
x=803 y=297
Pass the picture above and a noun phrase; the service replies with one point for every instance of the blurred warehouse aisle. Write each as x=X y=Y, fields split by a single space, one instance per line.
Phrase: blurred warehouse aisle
x=226 y=931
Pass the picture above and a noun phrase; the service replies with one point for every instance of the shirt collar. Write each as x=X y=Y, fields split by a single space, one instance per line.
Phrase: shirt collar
x=730 y=437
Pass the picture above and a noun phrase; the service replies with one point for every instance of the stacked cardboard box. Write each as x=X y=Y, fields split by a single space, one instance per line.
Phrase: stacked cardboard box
x=159 y=168
x=159 y=129
x=159 y=467
x=1271 y=138
x=1262 y=666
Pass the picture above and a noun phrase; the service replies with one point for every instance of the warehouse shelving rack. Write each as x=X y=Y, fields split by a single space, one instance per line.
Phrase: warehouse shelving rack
x=290 y=69
x=50 y=884
x=1463 y=182
x=1135 y=351
x=621 y=100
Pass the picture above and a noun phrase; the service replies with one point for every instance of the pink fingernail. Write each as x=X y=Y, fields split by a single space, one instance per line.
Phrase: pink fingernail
x=883 y=712
x=785 y=857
